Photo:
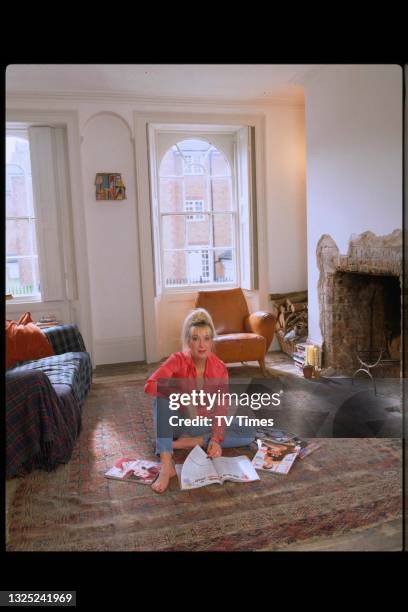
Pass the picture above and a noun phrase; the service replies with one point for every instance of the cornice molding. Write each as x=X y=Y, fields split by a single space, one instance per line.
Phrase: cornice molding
x=127 y=97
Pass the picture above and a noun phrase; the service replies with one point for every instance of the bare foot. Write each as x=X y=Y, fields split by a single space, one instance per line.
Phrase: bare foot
x=161 y=483
x=188 y=442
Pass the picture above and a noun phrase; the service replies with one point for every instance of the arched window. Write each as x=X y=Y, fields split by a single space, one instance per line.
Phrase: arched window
x=197 y=215
x=203 y=205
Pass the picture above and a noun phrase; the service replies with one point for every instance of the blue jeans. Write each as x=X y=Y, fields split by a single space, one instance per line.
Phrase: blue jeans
x=234 y=435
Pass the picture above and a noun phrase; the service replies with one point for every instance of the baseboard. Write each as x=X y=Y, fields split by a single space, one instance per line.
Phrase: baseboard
x=119 y=350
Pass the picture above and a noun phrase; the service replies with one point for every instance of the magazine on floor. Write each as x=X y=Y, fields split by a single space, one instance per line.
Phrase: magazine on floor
x=134 y=470
x=275 y=457
x=199 y=470
x=282 y=437
x=290 y=439
x=311 y=446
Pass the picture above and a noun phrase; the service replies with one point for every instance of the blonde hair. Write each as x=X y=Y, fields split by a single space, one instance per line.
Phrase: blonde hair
x=199 y=317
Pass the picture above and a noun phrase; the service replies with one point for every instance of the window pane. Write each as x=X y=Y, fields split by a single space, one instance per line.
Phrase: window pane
x=179 y=231
x=19 y=199
x=195 y=188
x=190 y=267
x=173 y=231
x=172 y=163
x=223 y=230
x=19 y=235
x=218 y=164
x=22 y=276
x=171 y=195
x=175 y=268
x=224 y=265
x=198 y=232
x=221 y=193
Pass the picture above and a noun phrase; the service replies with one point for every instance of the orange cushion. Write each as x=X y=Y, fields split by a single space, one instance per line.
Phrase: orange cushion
x=25 y=341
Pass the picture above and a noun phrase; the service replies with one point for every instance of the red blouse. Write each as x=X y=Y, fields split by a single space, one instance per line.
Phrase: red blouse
x=181 y=365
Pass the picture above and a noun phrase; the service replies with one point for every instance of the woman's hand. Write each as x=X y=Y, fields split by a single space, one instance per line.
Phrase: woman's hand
x=214 y=449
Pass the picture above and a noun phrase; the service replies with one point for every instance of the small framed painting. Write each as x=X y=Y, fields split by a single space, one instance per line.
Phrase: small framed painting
x=110 y=186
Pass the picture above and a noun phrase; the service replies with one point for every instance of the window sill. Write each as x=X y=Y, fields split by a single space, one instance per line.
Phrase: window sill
x=185 y=292
x=17 y=301
x=34 y=304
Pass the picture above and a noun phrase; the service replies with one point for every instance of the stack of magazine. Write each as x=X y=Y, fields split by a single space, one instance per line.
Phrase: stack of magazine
x=278 y=451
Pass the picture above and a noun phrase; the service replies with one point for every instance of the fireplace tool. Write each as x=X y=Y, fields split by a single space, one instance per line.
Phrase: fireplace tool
x=371 y=358
x=369 y=354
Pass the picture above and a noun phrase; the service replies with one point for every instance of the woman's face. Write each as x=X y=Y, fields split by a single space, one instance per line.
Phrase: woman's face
x=200 y=342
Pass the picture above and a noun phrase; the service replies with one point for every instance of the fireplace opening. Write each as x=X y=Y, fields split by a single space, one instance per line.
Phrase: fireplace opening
x=367 y=322
x=360 y=302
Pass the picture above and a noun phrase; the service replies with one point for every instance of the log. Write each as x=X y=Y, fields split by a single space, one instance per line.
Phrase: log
x=294 y=296
x=279 y=302
x=295 y=317
x=282 y=321
x=297 y=307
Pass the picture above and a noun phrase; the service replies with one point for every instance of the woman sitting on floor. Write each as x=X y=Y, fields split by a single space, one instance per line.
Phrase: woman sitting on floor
x=195 y=364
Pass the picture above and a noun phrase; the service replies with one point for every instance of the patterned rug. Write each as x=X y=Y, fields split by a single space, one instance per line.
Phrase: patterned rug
x=346 y=486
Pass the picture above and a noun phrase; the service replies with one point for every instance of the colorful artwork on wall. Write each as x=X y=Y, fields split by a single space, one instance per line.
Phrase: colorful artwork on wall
x=110 y=186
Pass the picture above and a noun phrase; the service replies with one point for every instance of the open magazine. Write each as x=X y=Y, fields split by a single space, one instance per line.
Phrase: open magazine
x=199 y=470
x=136 y=470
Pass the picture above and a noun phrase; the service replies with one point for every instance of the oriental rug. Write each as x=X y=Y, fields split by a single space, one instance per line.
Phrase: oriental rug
x=346 y=486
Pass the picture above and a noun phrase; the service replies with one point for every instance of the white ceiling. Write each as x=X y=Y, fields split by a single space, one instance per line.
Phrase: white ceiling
x=238 y=82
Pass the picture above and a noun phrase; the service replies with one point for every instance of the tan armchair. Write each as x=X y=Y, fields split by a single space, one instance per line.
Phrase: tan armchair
x=241 y=336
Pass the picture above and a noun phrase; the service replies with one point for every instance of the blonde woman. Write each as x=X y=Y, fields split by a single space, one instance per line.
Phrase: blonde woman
x=195 y=364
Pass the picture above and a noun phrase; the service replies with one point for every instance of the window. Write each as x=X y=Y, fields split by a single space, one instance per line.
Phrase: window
x=204 y=221
x=22 y=270
x=39 y=263
x=192 y=244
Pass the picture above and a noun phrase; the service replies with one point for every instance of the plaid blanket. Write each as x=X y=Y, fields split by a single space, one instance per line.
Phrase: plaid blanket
x=72 y=369
x=65 y=339
x=44 y=399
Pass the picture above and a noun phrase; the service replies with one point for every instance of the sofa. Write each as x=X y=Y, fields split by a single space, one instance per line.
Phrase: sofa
x=44 y=401
x=241 y=336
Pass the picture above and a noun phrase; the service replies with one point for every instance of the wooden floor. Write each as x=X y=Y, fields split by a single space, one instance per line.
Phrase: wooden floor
x=387 y=537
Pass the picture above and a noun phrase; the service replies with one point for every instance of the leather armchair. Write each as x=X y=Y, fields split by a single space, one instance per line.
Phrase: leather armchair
x=241 y=336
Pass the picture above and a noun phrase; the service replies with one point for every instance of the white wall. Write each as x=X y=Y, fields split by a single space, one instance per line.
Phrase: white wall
x=111 y=227
x=354 y=160
x=106 y=125
x=286 y=198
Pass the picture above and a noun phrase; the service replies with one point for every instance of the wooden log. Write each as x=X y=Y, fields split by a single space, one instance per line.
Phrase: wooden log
x=297 y=307
x=294 y=317
x=294 y=296
x=279 y=302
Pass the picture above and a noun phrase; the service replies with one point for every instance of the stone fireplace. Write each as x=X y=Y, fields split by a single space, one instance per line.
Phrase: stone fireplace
x=360 y=302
